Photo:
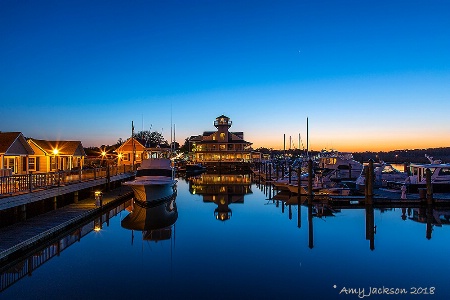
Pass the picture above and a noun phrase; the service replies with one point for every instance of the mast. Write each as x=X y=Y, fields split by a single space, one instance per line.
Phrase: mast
x=307 y=137
x=133 y=145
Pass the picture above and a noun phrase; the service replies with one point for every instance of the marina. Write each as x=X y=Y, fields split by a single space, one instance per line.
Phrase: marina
x=247 y=227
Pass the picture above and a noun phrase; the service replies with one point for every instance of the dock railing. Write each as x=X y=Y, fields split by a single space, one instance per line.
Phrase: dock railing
x=14 y=184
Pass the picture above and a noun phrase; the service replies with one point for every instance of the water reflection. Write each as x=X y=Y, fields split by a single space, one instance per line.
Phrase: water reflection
x=430 y=215
x=221 y=189
x=154 y=219
x=13 y=271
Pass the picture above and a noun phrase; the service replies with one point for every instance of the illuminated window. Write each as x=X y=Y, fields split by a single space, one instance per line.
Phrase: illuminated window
x=222 y=136
x=32 y=163
x=222 y=147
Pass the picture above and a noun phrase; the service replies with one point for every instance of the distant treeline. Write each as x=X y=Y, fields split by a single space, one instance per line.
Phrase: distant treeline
x=402 y=156
x=396 y=156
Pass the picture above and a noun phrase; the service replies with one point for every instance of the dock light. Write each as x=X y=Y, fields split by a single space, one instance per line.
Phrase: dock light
x=55 y=151
x=98 y=198
x=103 y=153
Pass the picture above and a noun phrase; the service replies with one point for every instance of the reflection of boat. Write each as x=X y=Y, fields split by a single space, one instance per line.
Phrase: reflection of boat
x=154 y=219
x=154 y=180
x=384 y=173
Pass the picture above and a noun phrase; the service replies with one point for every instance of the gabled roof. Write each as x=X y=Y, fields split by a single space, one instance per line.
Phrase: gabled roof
x=128 y=146
x=14 y=143
x=70 y=148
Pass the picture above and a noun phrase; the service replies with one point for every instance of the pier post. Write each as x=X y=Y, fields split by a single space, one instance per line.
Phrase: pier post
x=349 y=171
x=290 y=212
x=310 y=180
x=30 y=182
x=298 y=184
x=290 y=176
x=369 y=183
x=55 y=203
x=75 y=197
x=270 y=172
x=429 y=187
x=299 y=214
x=278 y=171
x=23 y=212
x=406 y=169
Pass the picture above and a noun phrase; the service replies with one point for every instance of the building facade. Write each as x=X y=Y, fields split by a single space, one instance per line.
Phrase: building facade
x=51 y=156
x=14 y=154
x=221 y=146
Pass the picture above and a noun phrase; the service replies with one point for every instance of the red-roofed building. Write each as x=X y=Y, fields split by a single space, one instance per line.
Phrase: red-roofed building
x=14 y=153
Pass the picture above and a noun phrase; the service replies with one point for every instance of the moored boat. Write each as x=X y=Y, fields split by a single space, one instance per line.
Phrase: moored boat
x=154 y=180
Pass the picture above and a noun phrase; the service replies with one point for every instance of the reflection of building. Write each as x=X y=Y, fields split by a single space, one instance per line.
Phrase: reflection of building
x=221 y=147
x=221 y=189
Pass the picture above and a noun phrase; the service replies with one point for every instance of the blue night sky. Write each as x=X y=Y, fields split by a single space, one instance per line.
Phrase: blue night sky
x=369 y=75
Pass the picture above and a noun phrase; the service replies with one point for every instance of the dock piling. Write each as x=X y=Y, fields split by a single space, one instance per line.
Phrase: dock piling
x=429 y=187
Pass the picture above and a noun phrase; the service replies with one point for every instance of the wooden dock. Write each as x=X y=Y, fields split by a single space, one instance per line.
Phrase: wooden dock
x=18 y=238
x=39 y=195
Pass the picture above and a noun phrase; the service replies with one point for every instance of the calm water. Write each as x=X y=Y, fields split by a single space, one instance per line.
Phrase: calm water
x=229 y=241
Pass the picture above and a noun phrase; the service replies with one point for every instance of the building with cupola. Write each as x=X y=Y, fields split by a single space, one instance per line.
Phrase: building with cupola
x=221 y=147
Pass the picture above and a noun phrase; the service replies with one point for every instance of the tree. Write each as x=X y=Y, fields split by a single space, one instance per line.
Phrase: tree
x=150 y=139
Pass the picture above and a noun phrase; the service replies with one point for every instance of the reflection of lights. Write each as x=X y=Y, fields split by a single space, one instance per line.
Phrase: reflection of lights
x=97 y=228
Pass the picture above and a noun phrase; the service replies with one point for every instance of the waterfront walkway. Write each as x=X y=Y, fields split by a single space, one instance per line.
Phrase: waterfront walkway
x=21 y=236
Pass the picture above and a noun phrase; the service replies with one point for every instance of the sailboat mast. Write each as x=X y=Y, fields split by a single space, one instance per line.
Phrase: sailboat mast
x=307 y=137
x=132 y=143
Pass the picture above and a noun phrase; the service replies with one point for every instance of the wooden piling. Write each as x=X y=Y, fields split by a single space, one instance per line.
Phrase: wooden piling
x=369 y=183
x=310 y=179
x=429 y=187
x=290 y=175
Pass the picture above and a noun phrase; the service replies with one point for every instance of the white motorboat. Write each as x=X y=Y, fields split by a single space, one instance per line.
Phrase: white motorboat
x=343 y=164
x=154 y=180
x=384 y=174
x=440 y=177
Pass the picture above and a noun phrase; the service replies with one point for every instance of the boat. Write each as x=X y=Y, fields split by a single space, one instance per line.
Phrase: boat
x=341 y=163
x=384 y=175
x=154 y=180
x=440 y=177
x=154 y=219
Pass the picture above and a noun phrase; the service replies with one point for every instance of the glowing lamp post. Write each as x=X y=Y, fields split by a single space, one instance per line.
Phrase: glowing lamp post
x=55 y=153
x=98 y=199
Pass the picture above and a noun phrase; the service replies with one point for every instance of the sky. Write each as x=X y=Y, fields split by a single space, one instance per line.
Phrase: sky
x=368 y=75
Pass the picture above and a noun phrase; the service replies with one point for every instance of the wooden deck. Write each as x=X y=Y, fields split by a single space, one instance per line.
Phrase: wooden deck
x=38 y=195
x=21 y=236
